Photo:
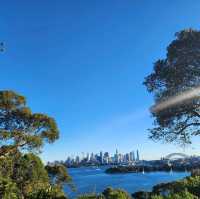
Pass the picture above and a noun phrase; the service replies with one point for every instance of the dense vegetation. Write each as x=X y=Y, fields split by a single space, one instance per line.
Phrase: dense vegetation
x=175 y=83
x=108 y=193
x=187 y=188
x=22 y=134
x=22 y=173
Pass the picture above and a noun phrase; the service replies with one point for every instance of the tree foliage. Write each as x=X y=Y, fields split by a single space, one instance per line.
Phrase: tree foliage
x=181 y=195
x=58 y=175
x=187 y=188
x=22 y=133
x=108 y=193
x=174 y=76
x=8 y=189
x=91 y=196
x=20 y=129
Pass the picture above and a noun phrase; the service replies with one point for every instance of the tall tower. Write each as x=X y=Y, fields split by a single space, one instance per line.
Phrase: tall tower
x=88 y=157
x=138 y=157
x=116 y=152
x=117 y=156
x=133 y=156
x=101 y=157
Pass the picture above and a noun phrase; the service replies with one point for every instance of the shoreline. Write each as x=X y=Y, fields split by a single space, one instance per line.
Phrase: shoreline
x=145 y=169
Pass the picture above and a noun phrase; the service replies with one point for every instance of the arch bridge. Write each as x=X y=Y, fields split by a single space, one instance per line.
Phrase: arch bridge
x=171 y=155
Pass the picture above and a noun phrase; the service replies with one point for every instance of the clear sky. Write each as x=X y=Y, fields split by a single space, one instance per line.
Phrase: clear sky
x=84 y=61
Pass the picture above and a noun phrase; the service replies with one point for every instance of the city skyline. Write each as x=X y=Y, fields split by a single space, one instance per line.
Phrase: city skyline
x=84 y=154
x=102 y=158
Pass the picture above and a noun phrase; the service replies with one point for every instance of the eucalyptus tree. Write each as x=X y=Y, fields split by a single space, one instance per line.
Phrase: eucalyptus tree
x=20 y=129
x=22 y=136
x=174 y=83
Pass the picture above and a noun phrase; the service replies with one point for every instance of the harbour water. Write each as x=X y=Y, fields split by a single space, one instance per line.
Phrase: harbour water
x=88 y=179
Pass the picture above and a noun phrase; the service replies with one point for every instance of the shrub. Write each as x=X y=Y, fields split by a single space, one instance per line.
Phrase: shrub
x=8 y=189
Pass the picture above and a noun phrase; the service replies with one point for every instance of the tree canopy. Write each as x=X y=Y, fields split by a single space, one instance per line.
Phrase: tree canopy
x=20 y=129
x=22 y=133
x=174 y=84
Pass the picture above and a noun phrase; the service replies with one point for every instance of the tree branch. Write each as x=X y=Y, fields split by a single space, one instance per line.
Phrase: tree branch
x=188 y=125
x=196 y=113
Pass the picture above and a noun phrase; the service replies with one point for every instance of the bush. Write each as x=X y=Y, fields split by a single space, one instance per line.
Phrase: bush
x=110 y=193
x=173 y=190
x=195 y=172
x=8 y=189
x=47 y=193
x=181 y=195
x=141 y=195
x=91 y=196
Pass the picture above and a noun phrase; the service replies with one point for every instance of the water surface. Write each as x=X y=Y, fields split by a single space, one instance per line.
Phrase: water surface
x=89 y=180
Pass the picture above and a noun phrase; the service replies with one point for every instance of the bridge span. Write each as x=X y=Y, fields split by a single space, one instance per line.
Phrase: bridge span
x=180 y=155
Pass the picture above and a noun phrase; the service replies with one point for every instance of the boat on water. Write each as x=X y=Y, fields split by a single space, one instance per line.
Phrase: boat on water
x=143 y=171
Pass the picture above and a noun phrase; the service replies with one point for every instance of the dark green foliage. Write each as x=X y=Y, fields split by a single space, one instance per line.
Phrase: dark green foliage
x=191 y=184
x=8 y=189
x=141 y=195
x=26 y=171
x=172 y=76
x=187 y=188
x=22 y=174
x=91 y=196
x=181 y=195
x=29 y=173
x=51 y=192
x=20 y=129
x=58 y=175
x=195 y=172
x=110 y=193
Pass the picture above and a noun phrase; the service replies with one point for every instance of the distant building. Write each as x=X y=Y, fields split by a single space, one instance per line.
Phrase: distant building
x=101 y=157
x=92 y=157
x=116 y=156
x=138 y=157
x=88 y=157
x=132 y=156
x=77 y=159
x=104 y=158
x=127 y=157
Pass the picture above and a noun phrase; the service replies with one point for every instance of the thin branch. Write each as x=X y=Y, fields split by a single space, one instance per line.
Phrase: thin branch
x=188 y=125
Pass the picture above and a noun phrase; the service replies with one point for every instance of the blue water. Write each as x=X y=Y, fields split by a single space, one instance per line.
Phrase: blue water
x=89 y=180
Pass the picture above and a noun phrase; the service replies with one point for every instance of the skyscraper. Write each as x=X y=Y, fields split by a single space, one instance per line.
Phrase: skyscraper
x=101 y=157
x=132 y=156
x=92 y=157
x=116 y=156
x=106 y=157
x=88 y=157
x=138 y=157
x=127 y=157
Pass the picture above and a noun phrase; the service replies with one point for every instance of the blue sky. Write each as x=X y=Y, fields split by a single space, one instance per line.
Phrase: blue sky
x=83 y=62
